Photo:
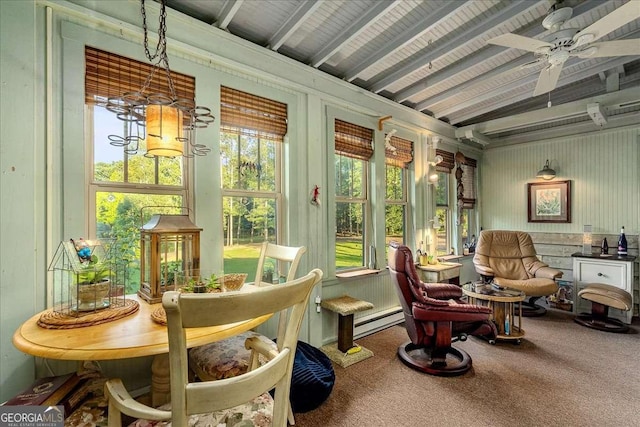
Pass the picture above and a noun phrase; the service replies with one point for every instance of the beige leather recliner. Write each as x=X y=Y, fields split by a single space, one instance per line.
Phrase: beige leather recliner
x=509 y=259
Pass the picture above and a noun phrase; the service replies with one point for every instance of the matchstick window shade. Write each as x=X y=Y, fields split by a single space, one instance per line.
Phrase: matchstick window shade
x=468 y=183
x=403 y=154
x=109 y=75
x=447 y=163
x=353 y=140
x=252 y=115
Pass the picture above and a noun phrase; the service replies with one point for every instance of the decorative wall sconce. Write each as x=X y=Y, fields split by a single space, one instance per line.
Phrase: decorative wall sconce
x=546 y=172
x=433 y=177
x=387 y=141
x=433 y=159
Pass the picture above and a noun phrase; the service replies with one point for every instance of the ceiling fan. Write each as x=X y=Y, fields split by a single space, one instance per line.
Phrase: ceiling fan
x=563 y=43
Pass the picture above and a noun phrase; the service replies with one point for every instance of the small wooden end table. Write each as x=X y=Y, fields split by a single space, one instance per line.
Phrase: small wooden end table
x=501 y=302
x=443 y=272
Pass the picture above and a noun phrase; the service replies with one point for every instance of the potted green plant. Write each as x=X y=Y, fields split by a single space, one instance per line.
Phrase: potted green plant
x=91 y=287
x=267 y=273
x=202 y=285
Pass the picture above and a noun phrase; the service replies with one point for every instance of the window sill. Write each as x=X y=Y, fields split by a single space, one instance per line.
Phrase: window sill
x=357 y=273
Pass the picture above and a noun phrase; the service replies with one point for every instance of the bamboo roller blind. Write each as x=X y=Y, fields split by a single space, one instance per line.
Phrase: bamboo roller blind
x=353 y=140
x=468 y=200
x=110 y=75
x=244 y=113
x=403 y=154
x=447 y=163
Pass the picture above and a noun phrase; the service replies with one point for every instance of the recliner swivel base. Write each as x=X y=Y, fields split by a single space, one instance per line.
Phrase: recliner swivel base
x=600 y=323
x=530 y=308
x=456 y=361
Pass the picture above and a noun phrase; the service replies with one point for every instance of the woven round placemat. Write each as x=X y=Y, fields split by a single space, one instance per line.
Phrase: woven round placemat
x=53 y=320
x=159 y=316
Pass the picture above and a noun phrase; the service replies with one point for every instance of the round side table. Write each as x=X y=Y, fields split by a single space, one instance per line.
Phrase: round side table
x=501 y=302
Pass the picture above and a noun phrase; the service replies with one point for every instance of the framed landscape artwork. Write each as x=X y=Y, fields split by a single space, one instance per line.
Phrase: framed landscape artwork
x=549 y=201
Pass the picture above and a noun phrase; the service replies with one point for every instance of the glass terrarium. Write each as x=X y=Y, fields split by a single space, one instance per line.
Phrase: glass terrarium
x=169 y=245
x=86 y=277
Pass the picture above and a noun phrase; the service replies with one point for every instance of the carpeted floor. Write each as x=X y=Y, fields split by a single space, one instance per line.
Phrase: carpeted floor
x=562 y=374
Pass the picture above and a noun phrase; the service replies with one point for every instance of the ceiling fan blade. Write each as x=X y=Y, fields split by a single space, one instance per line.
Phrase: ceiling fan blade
x=519 y=42
x=530 y=64
x=548 y=79
x=612 y=48
x=616 y=19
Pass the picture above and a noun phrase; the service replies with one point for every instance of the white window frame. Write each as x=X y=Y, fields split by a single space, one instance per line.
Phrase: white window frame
x=368 y=240
x=446 y=177
x=276 y=194
x=94 y=186
x=366 y=215
x=403 y=201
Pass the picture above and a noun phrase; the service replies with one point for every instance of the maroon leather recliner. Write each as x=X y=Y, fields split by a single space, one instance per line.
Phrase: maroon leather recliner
x=435 y=316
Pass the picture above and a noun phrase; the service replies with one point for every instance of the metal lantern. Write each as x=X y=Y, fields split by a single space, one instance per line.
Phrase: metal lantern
x=170 y=244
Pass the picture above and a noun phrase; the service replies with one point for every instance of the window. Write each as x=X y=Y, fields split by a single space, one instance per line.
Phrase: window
x=443 y=230
x=124 y=184
x=468 y=201
x=251 y=135
x=353 y=149
x=443 y=211
x=396 y=171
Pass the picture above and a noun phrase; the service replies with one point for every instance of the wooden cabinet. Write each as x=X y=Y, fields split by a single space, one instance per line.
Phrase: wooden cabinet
x=612 y=271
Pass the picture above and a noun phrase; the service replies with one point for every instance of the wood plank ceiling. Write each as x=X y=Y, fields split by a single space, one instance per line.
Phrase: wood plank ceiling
x=432 y=55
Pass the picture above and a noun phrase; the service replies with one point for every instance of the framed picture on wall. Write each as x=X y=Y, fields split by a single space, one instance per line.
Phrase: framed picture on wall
x=549 y=201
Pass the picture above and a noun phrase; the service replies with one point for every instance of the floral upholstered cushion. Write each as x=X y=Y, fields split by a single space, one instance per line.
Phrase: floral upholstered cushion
x=224 y=359
x=257 y=413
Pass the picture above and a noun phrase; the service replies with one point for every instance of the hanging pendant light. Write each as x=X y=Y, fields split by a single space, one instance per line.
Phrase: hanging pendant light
x=164 y=131
x=546 y=172
x=164 y=123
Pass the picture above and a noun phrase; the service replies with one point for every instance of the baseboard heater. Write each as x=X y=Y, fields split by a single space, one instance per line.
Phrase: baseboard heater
x=378 y=321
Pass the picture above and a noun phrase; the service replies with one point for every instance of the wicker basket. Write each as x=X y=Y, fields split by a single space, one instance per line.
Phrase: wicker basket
x=232 y=281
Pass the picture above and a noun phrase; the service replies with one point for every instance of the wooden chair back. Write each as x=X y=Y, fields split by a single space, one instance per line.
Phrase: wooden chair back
x=198 y=310
x=282 y=254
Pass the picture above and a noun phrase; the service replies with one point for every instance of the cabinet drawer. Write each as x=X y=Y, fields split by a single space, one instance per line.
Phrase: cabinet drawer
x=610 y=274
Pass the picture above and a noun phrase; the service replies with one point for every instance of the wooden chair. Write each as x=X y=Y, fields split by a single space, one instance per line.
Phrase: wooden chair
x=228 y=358
x=282 y=254
x=199 y=400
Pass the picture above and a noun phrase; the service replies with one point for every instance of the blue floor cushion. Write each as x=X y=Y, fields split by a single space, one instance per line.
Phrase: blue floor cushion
x=312 y=380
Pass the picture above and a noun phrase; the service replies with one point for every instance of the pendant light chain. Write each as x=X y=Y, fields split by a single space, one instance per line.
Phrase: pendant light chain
x=161 y=47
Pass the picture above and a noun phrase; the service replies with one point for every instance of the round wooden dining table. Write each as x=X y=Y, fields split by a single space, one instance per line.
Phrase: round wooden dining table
x=132 y=336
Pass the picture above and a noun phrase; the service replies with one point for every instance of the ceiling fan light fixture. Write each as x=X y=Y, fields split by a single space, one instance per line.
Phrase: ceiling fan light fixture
x=558 y=57
x=546 y=172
